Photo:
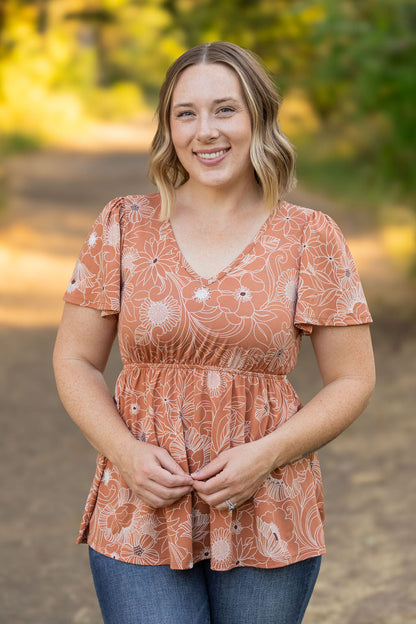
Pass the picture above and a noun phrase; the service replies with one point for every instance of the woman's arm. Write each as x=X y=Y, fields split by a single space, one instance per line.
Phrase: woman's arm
x=81 y=352
x=346 y=362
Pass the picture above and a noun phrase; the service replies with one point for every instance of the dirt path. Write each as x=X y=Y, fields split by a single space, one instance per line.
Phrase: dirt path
x=368 y=576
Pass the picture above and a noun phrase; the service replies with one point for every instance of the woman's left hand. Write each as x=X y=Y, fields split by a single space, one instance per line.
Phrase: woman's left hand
x=235 y=475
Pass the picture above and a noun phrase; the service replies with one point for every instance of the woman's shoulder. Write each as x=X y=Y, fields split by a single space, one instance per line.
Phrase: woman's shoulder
x=143 y=204
x=132 y=208
x=306 y=217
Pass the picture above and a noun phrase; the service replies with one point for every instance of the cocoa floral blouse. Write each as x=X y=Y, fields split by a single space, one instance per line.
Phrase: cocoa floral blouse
x=205 y=365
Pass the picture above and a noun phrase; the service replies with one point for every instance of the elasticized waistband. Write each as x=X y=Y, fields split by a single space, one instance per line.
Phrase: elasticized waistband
x=201 y=367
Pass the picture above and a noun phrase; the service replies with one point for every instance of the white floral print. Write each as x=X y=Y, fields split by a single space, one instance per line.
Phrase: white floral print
x=204 y=369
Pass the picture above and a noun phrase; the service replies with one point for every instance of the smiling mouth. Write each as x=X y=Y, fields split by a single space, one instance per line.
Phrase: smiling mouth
x=212 y=155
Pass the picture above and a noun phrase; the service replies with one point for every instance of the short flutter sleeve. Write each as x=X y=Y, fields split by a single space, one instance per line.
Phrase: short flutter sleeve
x=95 y=282
x=329 y=288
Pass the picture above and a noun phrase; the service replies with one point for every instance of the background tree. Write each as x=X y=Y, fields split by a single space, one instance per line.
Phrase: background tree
x=345 y=68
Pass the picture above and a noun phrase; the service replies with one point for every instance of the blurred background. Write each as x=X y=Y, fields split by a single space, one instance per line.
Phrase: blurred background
x=79 y=81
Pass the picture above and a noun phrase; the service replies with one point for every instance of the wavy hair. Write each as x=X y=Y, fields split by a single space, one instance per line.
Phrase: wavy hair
x=271 y=153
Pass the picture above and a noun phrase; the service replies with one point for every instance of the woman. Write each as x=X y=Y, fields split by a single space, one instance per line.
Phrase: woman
x=207 y=504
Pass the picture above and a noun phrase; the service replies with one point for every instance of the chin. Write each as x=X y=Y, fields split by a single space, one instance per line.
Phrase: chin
x=215 y=181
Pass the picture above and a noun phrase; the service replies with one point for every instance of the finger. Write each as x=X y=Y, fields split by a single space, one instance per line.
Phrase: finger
x=167 y=462
x=210 y=470
x=224 y=506
x=212 y=486
x=213 y=500
x=168 y=494
x=164 y=477
x=219 y=502
x=236 y=499
x=161 y=498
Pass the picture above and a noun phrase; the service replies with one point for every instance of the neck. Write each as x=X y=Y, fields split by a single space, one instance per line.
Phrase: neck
x=218 y=201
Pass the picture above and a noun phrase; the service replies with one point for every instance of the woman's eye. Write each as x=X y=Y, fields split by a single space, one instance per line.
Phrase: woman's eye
x=185 y=114
x=226 y=110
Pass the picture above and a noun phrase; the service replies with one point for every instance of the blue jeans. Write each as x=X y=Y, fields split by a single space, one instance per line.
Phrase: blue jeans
x=136 y=594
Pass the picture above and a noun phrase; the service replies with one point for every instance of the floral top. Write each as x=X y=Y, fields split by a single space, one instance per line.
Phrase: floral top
x=205 y=365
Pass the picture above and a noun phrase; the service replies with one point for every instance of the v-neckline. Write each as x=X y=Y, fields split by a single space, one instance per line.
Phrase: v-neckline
x=231 y=265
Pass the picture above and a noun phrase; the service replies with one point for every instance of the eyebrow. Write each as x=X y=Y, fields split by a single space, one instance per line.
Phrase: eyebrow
x=218 y=101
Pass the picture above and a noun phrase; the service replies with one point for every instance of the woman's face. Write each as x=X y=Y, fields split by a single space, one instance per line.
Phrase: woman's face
x=211 y=126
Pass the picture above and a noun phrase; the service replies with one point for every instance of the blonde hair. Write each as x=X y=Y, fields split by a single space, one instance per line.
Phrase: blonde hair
x=271 y=153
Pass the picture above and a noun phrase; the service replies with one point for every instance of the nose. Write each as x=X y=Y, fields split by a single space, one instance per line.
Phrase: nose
x=207 y=128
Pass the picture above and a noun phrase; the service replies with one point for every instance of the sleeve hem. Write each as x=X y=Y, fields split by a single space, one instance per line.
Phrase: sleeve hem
x=306 y=327
x=105 y=310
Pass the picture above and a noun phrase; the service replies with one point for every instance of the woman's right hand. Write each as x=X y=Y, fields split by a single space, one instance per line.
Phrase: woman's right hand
x=81 y=352
x=153 y=475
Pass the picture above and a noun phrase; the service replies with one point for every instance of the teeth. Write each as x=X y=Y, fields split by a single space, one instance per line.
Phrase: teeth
x=212 y=155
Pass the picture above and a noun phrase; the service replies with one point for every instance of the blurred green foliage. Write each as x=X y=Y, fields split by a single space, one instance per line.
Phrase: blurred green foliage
x=346 y=70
